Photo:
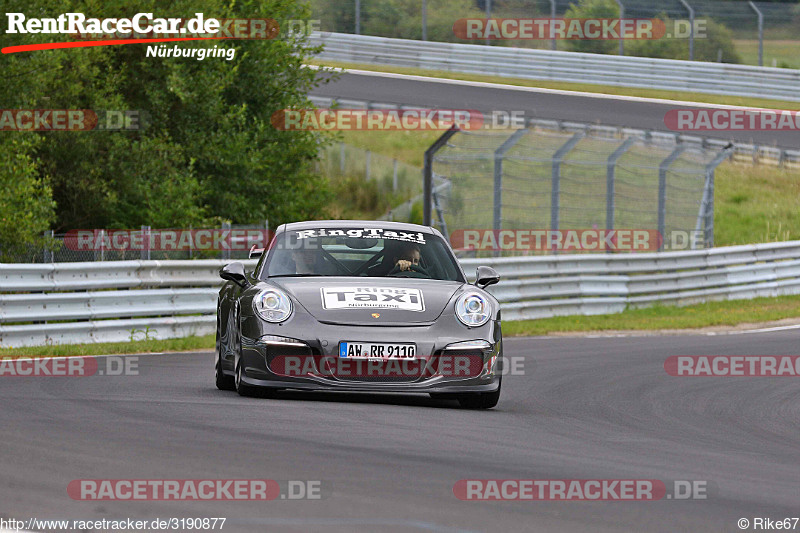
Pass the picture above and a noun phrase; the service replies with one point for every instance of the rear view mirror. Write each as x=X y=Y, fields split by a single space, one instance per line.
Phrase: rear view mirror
x=360 y=243
x=486 y=276
x=234 y=272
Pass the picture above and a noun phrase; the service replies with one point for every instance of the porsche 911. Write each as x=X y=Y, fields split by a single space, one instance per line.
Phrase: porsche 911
x=359 y=306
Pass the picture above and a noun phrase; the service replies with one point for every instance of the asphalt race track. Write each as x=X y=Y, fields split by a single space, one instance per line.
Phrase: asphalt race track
x=585 y=408
x=445 y=94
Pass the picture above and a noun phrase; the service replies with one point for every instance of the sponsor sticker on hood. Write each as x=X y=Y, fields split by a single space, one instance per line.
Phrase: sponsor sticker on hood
x=372 y=297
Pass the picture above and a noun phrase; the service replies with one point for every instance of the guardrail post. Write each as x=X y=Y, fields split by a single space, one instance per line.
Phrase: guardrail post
x=226 y=252
x=440 y=215
x=427 y=174
x=498 y=176
x=341 y=158
x=424 y=20
x=358 y=17
x=145 y=253
x=662 y=191
x=705 y=217
x=368 y=157
x=488 y=16
x=760 y=32
x=49 y=255
x=610 y=185
x=552 y=29
x=621 y=16
x=394 y=175
x=555 y=191
x=691 y=28
x=94 y=252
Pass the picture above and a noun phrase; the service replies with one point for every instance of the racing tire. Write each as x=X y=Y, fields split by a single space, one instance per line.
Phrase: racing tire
x=251 y=391
x=223 y=381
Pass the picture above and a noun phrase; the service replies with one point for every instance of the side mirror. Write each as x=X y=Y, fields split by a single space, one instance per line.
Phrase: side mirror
x=234 y=272
x=486 y=276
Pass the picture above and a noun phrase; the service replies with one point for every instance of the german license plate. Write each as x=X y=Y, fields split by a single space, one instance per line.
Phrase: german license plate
x=377 y=350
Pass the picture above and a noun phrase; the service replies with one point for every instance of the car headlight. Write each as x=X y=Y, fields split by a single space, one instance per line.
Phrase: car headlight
x=473 y=310
x=273 y=305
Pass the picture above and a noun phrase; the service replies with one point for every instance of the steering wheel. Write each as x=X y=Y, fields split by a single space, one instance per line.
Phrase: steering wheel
x=414 y=271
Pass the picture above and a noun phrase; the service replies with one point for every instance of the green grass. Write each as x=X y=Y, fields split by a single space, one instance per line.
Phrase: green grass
x=726 y=313
x=405 y=145
x=106 y=348
x=366 y=199
x=777 y=53
x=584 y=87
x=756 y=204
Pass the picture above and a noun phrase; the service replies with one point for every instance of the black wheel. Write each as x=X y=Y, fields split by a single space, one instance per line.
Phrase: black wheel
x=480 y=400
x=250 y=391
x=223 y=381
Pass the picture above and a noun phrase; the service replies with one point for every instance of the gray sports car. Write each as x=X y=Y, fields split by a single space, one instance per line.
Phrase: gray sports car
x=359 y=306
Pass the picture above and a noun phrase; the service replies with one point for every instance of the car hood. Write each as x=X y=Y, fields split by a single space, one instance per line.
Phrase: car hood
x=370 y=301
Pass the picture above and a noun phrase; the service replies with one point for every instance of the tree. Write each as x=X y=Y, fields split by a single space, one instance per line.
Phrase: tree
x=593 y=9
x=716 y=45
x=26 y=205
x=208 y=152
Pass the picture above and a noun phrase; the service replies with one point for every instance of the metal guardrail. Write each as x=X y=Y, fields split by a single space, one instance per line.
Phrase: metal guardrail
x=539 y=287
x=526 y=63
x=66 y=303
x=130 y=300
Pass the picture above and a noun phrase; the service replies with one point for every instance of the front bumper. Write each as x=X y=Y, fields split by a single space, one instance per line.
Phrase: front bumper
x=263 y=357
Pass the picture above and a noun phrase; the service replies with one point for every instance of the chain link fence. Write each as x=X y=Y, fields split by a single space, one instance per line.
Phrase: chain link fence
x=580 y=178
x=391 y=176
x=371 y=185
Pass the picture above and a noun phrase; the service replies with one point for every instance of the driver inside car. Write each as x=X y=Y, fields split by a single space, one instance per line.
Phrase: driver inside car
x=407 y=255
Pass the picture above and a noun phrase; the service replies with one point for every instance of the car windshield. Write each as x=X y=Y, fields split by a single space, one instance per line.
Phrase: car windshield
x=368 y=252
